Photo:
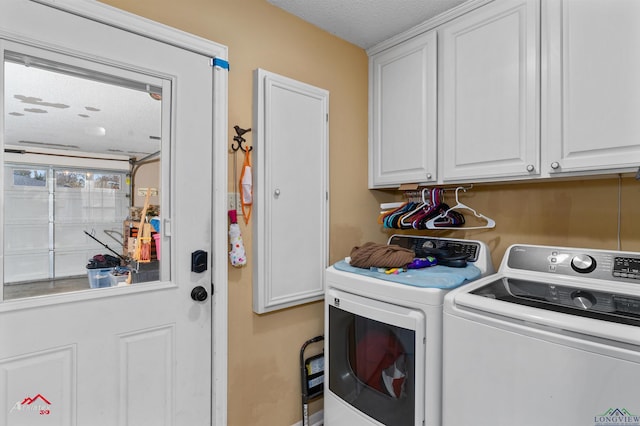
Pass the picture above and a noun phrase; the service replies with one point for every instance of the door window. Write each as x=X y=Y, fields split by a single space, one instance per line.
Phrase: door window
x=82 y=182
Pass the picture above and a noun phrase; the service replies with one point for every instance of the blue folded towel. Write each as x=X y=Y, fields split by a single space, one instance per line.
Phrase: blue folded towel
x=438 y=276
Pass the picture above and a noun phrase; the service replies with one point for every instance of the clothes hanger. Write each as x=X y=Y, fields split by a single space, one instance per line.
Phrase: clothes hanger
x=391 y=218
x=431 y=223
x=388 y=218
x=406 y=221
x=431 y=210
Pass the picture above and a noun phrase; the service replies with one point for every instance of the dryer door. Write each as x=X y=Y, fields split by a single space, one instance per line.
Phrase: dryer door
x=375 y=364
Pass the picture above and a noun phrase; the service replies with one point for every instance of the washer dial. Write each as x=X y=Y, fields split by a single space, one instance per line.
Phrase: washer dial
x=583 y=263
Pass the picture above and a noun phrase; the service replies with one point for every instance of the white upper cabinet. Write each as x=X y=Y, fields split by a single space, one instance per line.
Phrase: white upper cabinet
x=591 y=94
x=489 y=85
x=402 y=113
x=526 y=89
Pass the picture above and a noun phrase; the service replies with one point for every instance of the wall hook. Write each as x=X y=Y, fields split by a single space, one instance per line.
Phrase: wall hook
x=238 y=138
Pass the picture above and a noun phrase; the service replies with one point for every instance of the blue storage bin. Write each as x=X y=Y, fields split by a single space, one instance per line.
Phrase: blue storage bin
x=99 y=277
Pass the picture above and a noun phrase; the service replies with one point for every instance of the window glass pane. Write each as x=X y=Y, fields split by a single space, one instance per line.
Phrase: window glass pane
x=82 y=149
x=26 y=177
x=106 y=181
x=67 y=179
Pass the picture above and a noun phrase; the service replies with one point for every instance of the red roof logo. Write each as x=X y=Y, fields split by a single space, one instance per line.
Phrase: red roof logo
x=29 y=401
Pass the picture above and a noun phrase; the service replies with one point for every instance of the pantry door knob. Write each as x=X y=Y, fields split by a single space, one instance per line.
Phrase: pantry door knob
x=555 y=165
x=276 y=193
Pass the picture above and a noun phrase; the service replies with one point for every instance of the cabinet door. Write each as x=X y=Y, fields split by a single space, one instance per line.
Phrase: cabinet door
x=290 y=225
x=489 y=82
x=402 y=113
x=591 y=95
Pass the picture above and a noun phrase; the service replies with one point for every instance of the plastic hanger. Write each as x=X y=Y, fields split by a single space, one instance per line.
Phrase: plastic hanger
x=431 y=222
x=388 y=218
x=434 y=199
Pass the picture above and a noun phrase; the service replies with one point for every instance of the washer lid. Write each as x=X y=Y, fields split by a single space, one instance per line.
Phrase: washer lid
x=588 y=303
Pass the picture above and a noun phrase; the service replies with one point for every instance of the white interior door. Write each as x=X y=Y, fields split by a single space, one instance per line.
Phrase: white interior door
x=137 y=354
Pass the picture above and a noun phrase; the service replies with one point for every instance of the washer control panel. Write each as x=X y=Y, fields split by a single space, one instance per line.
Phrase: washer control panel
x=626 y=267
x=587 y=263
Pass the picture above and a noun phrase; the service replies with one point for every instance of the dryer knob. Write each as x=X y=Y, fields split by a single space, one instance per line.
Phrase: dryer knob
x=583 y=263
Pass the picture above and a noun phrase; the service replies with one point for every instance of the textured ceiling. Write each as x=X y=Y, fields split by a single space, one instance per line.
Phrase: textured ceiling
x=54 y=110
x=365 y=23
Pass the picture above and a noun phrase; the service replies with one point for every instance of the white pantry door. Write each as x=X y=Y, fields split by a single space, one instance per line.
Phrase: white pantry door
x=134 y=355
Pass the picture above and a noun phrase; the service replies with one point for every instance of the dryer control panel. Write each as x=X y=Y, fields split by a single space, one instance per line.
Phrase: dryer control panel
x=425 y=245
x=456 y=250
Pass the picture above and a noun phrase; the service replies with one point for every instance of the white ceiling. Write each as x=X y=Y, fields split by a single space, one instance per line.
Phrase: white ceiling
x=365 y=23
x=54 y=110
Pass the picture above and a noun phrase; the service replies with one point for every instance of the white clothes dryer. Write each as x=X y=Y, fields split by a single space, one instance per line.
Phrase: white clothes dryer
x=383 y=336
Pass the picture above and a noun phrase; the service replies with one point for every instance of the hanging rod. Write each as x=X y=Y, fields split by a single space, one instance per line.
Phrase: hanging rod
x=411 y=192
x=454 y=188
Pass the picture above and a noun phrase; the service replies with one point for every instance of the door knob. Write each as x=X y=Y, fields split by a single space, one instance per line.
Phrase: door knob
x=199 y=294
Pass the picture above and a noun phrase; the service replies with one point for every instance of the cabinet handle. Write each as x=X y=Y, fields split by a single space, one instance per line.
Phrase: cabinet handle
x=555 y=165
x=276 y=193
x=428 y=176
x=530 y=168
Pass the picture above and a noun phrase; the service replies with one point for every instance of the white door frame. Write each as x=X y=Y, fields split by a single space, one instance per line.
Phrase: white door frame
x=135 y=24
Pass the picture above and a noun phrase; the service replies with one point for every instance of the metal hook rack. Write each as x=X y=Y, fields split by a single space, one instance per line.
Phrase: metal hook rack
x=238 y=138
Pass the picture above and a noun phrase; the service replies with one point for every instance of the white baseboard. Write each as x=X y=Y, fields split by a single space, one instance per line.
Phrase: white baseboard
x=316 y=419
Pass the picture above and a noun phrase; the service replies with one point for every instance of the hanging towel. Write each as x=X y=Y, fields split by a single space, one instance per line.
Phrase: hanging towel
x=237 y=255
x=246 y=187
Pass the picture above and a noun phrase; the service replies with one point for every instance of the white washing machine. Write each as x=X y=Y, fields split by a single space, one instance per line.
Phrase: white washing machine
x=383 y=336
x=553 y=338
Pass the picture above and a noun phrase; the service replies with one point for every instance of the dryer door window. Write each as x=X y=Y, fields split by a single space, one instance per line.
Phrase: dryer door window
x=372 y=362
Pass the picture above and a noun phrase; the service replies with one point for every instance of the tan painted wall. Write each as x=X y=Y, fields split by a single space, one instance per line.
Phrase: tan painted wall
x=574 y=213
x=263 y=349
